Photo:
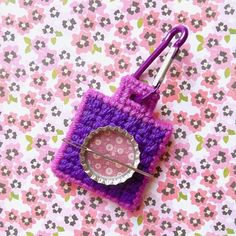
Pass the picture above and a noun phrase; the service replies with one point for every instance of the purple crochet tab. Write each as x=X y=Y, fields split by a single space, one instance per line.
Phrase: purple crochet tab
x=98 y=110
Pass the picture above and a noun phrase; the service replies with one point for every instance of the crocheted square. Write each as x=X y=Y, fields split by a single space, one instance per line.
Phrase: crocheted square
x=98 y=110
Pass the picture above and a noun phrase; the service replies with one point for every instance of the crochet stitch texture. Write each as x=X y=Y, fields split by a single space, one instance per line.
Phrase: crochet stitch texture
x=98 y=110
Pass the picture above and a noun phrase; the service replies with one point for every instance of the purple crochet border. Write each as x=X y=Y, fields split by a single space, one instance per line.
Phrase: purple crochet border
x=121 y=102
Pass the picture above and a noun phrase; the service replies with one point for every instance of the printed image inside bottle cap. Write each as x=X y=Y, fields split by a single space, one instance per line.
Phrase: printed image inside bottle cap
x=117 y=144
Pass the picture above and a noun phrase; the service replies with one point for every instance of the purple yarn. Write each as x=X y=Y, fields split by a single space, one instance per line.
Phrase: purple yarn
x=98 y=110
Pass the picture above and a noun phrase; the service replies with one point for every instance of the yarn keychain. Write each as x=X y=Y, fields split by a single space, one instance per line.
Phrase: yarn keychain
x=114 y=143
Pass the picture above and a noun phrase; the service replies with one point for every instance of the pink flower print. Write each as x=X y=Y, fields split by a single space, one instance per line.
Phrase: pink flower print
x=38 y=113
x=123 y=29
x=25 y=123
x=65 y=88
x=221 y=58
x=39 y=210
x=208 y=212
x=96 y=6
x=182 y=153
x=211 y=141
x=47 y=194
x=40 y=141
x=218 y=96
x=28 y=100
x=190 y=170
x=195 y=221
x=209 y=178
x=151 y=217
x=21 y=170
x=232 y=88
x=39 y=43
x=20 y=73
x=212 y=41
x=84 y=230
x=77 y=8
x=191 y=71
x=181 y=17
x=150 y=37
x=151 y=19
x=110 y=74
x=209 y=113
x=123 y=226
x=47 y=96
x=38 y=80
x=66 y=71
x=151 y=230
x=93 y=70
x=8 y=20
x=200 y=98
x=45 y=2
x=210 y=79
x=112 y=49
x=219 y=158
x=26 y=3
x=48 y=59
x=210 y=12
x=23 y=25
x=4 y=189
x=131 y=47
x=40 y=178
x=37 y=15
x=180 y=216
x=89 y=218
x=65 y=188
x=168 y=189
x=42 y=233
x=82 y=42
x=106 y=218
x=134 y=10
x=180 y=118
x=3 y=92
x=9 y=56
x=218 y=194
x=173 y=171
x=170 y=91
x=88 y=22
x=199 y=197
x=12 y=153
x=231 y=187
x=12 y=215
x=26 y=220
x=122 y=64
x=30 y=196
x=196 y=23
x=105 y=22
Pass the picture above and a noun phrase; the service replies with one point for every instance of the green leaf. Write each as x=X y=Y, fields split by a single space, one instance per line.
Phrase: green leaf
x=12 y=1
x=54 y=74
x=54 y=138
x=227 y=38
x=227 y=72
x=67 y=198
x=66 y=100
x=200 y=47
x=96 y=49
x=29 y=234
x=226 y=138
x=112 y=88
x=55 y=234
x=64 y=2
x=230 y=231
x=60 y=229
x=29 y=147
x=199 y=138
x=232 y=31
x=140 y=23
x=182 y=98
x=197 y=234
x=58 y=33
x=28 y=49
x=200 y=38
x=140 y=220
x=231 y=132
x=13 y=196
x=151 y=50
x=226 y=172
x=53 y=40
x=29 y=138
x=199 y=147
x=27 y=40
x=182 y=196
x=11 y=99
x=59 y=131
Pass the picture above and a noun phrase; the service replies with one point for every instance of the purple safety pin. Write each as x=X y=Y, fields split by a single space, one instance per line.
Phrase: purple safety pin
x=168 y=59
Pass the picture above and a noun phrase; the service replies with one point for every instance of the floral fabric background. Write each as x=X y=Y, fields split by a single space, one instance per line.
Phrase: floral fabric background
x=51 y=52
